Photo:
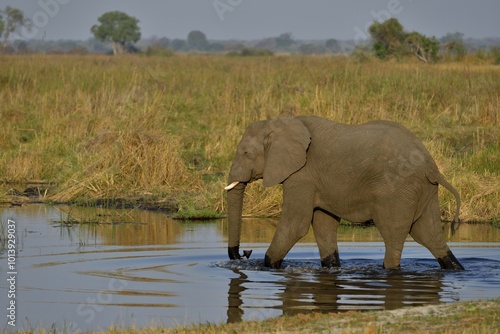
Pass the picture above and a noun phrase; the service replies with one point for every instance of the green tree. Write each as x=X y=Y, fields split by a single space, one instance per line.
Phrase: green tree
x=425 y=48
x=391 y=40
x=197 y=40
x=388 y=38
x=14 y=19
x=117 y=28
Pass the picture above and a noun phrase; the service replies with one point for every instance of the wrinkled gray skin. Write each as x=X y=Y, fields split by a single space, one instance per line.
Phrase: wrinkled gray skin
x=377 y=171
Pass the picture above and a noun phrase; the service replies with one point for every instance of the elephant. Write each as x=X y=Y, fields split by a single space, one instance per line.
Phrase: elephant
x=373 y=172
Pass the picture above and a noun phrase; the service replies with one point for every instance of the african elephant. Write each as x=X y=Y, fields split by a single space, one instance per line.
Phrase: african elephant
x=378 y=171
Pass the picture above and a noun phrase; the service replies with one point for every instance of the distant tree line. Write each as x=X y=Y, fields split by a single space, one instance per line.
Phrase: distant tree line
x=117 y=32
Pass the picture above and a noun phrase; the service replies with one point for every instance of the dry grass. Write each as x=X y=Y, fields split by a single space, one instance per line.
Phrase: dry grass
x=134 y=163
x=119 y=127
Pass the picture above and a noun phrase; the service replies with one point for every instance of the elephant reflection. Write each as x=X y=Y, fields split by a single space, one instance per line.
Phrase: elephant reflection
x=327 y=292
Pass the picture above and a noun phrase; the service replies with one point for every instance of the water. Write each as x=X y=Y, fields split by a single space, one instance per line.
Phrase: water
x=141 y=268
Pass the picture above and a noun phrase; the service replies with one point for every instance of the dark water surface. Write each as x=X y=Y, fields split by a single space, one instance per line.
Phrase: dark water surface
x=141 y=268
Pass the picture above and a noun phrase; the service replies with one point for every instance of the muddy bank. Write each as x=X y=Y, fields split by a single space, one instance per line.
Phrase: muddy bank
x=40 y=192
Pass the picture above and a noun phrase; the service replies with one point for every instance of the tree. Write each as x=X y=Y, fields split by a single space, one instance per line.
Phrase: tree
x=423 y=47
x=333 y=45
x=388 y=37
x=284 y=41
x=118 y=28
x=14 y=19
x=178 y=44
x=164 y=42
x=2 y=24
x=390 y=40
x=197 y=40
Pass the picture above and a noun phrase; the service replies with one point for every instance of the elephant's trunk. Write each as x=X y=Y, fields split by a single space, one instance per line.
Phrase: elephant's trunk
x=234 y=211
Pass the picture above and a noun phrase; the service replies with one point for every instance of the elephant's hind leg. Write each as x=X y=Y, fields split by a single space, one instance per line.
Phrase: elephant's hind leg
x=394 y=244
x=394 y=239
x=394 y=229
x=325 y=232
x=428 y=231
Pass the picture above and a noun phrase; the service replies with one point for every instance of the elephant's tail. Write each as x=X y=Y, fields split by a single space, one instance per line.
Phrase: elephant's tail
x=455 y=224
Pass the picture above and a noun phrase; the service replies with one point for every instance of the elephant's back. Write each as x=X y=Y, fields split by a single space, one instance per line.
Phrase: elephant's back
x=387 y=135
x=375 y=147
x=396 y=147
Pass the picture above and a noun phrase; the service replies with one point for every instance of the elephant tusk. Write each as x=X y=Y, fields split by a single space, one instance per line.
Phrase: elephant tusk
x=232 y=185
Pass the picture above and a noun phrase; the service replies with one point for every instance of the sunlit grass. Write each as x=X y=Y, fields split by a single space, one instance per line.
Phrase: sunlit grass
x=165 y=129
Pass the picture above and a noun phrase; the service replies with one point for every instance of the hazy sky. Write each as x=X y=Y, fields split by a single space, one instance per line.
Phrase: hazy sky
x=253 y=19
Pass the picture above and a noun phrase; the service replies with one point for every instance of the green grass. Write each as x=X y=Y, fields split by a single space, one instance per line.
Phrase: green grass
x=163 y=130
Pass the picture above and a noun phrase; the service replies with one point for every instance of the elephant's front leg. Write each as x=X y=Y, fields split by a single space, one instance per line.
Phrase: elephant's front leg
x=325 y=232
x=295 y=220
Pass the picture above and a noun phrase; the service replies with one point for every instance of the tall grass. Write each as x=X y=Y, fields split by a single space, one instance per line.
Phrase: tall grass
x=167 y=127
x=114 y=164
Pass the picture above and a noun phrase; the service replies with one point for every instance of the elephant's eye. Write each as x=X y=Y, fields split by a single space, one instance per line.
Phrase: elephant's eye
x=248 y=153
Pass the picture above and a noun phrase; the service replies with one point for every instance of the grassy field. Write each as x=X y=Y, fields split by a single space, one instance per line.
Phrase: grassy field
x=161 y=132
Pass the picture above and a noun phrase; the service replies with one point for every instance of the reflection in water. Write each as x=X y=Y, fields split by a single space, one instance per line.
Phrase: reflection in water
x=337 y=290
x=95 y=268
x=235 y=297
x=88 y=226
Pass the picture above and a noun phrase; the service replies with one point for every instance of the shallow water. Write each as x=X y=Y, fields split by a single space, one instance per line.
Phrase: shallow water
x=139 y=267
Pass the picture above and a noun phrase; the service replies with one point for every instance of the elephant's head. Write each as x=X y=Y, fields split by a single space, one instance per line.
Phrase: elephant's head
x=269 y=150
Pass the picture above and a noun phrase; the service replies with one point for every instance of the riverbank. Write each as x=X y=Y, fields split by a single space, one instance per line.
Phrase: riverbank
x=477 y=317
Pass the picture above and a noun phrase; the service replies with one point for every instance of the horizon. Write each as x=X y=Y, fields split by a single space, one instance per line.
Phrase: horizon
x=243 y=20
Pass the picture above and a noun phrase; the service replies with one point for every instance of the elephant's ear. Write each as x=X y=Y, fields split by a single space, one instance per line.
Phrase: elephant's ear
x=286 y=149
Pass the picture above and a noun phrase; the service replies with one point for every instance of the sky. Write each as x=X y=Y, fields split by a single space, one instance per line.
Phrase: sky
x=256 y=19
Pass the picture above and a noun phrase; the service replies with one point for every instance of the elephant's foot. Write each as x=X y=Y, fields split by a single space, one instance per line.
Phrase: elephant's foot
x=450 y=262
x=270 y=264
x=391 y=268
x=331 y=260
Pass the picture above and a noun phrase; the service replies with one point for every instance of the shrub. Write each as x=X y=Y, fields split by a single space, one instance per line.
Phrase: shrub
x=158 y=50
x=495 y=52
x=248 y=52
